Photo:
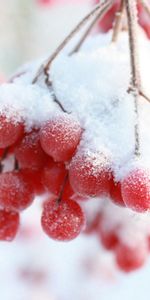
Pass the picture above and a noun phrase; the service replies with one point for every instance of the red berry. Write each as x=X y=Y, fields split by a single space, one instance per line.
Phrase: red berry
x=45 y=2
x=9 y=224
x=90 y=176
x=115 y=193
x=29 y=152
x=68 y=191
x=34 y=178
x=2 y=152
x=107 y=21
x=53 y=177
x=62 y=221
x=130 y=258
x=60 y=137
x=108 y=236
x=136 y=190
x=15 y=192
x=144 y=19
x=109 y=239
x=10 y=132
x=93 y=225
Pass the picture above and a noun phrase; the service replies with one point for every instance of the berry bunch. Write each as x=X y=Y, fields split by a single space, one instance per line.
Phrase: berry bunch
x=122 y=232
x=63 y=133
x=39 y=164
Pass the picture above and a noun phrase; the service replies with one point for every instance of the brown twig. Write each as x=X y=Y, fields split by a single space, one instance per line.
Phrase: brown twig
x=45 y=67
x=15 y=76
x=118 y=21
x=142 y=94
x=131 y=9
x=62 y=189
x=98 y=17
x=16 y=165
x=59 y=104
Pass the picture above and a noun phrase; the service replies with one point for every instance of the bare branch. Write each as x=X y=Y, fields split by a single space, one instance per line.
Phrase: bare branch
x=142 y=94
x=90 y=27
x=45 y=67
x=131 y=9
x=118 y=21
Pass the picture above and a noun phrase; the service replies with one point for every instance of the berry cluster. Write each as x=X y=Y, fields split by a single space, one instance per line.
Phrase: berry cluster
x=62 y=135
x=40 y=164
x=47 y=158
x=121 y=232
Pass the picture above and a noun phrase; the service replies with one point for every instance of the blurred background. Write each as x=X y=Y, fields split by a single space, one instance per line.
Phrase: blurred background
x=34 y=267
x=32 y=28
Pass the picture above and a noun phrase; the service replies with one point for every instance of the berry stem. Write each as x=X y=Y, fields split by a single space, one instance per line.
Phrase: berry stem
x=131 y=9
x=98 y=17
x=118 y=22
x=45 y=67
x=16 y=165
x=144 y=96
x=62 y=189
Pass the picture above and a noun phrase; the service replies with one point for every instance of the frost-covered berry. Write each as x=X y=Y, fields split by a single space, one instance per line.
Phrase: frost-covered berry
x=67 y=191
x=15 y=192
x=53 y=176
x=62 y=221
x=29 y=152
x=60 y=137
x=115 y=193
x=34 y=178
x=10 y=131
x=90 y=175
x=135 y=190
x=9 y=224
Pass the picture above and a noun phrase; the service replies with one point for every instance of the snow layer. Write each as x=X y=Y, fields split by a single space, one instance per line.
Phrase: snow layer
x=92 y=85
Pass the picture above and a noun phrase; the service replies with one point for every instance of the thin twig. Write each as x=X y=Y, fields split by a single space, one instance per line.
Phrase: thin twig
x=45 y=67
x=62 y=189
x=16 y=165
x=131 y=9
x=98 y=17
x=59 y=104
x=142 y=94
x=118 y=21
x=18 y=75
